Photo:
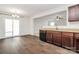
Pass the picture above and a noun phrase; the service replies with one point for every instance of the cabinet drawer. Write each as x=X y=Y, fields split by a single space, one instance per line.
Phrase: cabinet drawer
x=57 y=34
x=67 y=34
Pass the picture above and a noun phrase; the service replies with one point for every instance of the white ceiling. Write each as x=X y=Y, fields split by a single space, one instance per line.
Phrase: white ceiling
x=27 y=9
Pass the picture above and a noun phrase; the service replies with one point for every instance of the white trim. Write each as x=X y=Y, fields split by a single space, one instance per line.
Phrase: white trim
x=14 y=36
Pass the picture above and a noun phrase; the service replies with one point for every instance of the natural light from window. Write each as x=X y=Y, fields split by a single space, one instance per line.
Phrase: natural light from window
x=11 y=27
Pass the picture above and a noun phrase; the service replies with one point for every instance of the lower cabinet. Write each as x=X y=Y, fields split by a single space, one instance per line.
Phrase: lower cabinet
x=49 y=36
x=53 y=37
x=67 y=40
x=76 y=42
x=57 y=38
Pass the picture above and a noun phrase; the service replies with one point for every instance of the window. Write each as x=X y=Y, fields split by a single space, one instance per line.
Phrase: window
x=15 y=27
x=8 y=27
x=11 y=27
x=51 y=23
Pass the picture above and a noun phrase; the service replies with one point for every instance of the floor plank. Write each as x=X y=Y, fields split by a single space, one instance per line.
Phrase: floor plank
x=29 y=45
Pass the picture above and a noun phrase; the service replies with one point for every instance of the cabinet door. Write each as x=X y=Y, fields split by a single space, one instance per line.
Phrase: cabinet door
x=76 y=42
x=49 y=37
x=67 y=40
x=77 y=12
x=42 y=35
x=57 y=38
x=73 y=13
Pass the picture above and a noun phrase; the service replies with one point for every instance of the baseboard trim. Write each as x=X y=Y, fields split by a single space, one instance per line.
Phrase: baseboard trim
x=14 y=36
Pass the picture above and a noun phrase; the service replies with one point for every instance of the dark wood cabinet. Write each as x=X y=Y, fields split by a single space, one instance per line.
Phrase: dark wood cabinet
x=42 y=35
x=57 y=38
x=49 y=36
x=73 y=13
x=76 y=42
x=67 y=40
x=53 y=37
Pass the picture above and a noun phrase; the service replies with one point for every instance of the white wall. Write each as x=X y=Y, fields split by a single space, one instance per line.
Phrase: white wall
x=31 y=25
x=2 y=26
x=25 y=26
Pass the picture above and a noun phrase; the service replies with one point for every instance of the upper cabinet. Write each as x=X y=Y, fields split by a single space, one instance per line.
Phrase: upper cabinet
x=73 y=13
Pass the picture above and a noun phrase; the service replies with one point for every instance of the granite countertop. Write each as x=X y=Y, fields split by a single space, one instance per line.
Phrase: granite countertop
x=62 y=30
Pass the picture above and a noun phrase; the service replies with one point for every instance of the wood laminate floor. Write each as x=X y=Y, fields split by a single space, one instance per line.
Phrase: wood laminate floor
x=29 y=45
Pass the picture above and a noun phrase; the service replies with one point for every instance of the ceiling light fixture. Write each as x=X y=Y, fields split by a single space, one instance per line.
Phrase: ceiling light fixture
x=16 y=16
x=59 y=17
